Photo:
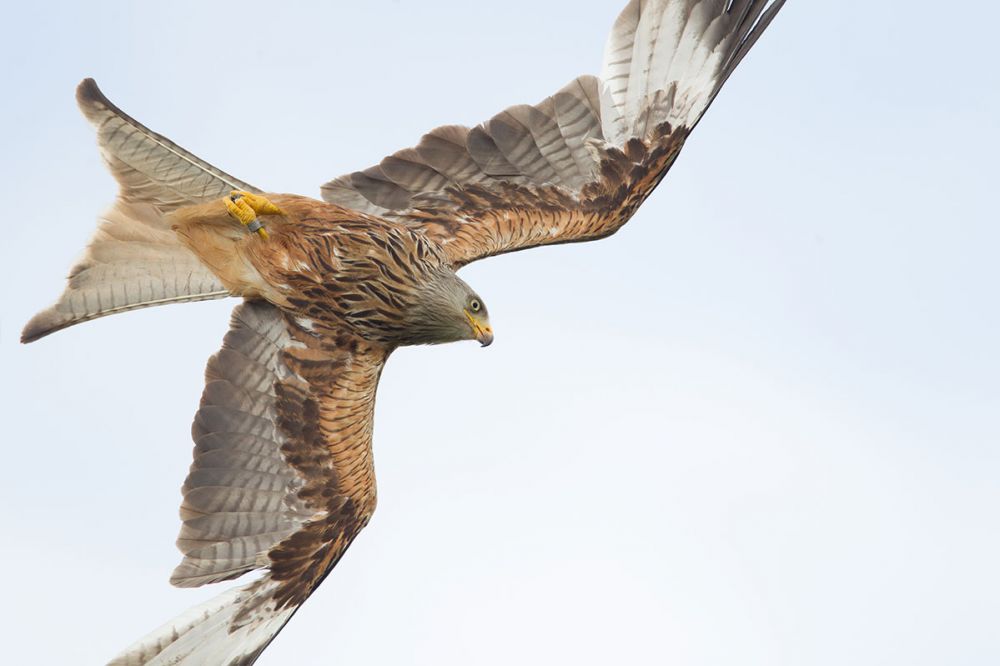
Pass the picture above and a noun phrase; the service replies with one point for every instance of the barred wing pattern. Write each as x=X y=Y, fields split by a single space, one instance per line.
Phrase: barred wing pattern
x=282 y=479
x=577 y=165
x=134 y=259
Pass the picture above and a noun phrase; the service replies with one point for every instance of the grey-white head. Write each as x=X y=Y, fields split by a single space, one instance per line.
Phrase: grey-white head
x=447 y=310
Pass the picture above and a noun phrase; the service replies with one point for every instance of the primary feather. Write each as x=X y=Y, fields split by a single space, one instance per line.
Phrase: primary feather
x=576 y=165
x=282 y=479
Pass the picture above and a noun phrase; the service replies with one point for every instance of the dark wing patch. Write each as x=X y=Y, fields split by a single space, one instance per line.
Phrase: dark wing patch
x=282 y=477
x=282 y=480
x=575 y=166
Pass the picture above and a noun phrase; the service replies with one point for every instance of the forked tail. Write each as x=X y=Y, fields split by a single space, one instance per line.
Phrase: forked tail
x=134 y=259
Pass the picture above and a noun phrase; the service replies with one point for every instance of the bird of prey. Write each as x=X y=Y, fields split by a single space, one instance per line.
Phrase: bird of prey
x=282 y=479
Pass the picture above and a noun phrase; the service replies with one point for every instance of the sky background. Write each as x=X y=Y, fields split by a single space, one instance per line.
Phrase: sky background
x=780 y=446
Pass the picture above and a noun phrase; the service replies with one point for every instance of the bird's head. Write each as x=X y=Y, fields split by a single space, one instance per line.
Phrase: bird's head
x=448 y=310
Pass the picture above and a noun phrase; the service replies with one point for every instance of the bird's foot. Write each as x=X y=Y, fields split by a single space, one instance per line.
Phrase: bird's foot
x=244 y=207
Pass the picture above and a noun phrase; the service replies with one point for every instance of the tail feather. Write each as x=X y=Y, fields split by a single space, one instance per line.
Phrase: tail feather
x=231 y=629
x=148 y=166
x=135 y=260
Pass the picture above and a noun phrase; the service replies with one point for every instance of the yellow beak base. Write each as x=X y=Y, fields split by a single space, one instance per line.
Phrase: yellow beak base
x=482 y=332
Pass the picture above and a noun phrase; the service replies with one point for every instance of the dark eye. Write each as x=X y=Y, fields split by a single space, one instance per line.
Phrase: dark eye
x=475 y=305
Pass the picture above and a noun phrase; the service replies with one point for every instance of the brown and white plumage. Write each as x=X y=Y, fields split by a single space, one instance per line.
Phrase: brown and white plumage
x=134 y=259
x=282 y=479
x=577 y=165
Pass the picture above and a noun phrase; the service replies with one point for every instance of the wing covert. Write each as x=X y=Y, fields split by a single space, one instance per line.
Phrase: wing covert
x=282 y=480
x=575 y=166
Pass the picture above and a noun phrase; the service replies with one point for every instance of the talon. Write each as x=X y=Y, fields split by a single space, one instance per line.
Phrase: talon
x=260 y=205
x=244 y=207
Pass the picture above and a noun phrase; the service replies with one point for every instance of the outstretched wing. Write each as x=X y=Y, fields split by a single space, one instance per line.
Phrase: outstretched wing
x=135 y=260
x=282 y=480
x=577 y=165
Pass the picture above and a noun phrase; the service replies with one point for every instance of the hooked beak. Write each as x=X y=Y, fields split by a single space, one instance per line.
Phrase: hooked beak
x=485 y=336
x=483 y=332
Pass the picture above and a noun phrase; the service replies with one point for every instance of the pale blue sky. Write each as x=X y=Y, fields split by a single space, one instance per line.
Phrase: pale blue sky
x=783 y=447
